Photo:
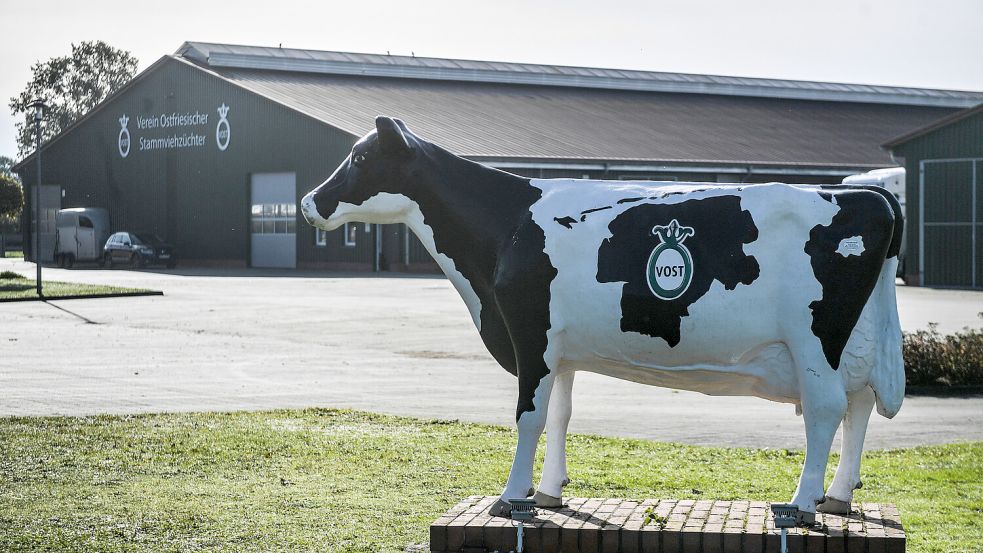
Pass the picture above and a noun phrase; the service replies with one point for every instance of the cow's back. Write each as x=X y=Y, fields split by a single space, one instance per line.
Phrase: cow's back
x=760 y=264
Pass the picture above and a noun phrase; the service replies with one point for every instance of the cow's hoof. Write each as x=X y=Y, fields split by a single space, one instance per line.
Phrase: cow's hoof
x=859 y=485
x=805 y=518
x=531 y=492
x=501 y=509
x=565 y=482
x=834 y=506
x=543 y=500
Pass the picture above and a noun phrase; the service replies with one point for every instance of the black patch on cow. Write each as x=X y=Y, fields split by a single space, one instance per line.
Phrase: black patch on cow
x=586 y=212
x=721 y=228
x=521 y=285
x=629 y=200
x=680 y=192
x=847 y=281
x=567 y=221
x=481 y=219
x=898 y=236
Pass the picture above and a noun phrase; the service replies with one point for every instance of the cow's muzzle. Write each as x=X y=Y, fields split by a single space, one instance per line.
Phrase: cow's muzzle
x=309 y=209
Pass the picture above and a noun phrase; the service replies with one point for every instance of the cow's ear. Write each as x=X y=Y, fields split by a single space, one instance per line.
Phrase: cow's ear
x=391 y=137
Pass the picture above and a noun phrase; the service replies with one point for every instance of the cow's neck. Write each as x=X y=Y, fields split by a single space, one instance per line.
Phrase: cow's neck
x=468 y=213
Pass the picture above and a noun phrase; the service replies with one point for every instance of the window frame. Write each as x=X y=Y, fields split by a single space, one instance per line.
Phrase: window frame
x=273 y=218
x=351 y=236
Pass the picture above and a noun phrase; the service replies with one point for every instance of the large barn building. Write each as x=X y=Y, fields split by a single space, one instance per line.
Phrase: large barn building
x=212 y=147
x=944 y=188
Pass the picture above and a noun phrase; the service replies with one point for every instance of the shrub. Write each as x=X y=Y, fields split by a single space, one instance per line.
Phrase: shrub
x=9 y=275
x=933 y=359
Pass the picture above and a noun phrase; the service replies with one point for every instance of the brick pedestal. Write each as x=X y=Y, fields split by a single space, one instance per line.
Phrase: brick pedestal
x=684 y=526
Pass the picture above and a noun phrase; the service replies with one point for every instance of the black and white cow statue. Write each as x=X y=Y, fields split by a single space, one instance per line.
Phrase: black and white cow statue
x=784 y=292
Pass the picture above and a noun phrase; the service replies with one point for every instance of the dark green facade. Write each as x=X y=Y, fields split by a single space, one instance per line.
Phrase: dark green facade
x=177 y=182
x=944 y=190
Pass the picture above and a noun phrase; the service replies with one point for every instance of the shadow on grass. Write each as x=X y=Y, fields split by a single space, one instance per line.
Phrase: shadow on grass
x=16 y=287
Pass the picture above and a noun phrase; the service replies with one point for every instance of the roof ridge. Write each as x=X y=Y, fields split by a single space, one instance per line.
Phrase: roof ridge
x=220 y=55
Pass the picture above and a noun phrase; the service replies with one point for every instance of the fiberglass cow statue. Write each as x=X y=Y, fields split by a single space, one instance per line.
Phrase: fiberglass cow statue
x=784 y=292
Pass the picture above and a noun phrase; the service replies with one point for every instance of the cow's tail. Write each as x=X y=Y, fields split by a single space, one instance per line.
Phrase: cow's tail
x=887 y=376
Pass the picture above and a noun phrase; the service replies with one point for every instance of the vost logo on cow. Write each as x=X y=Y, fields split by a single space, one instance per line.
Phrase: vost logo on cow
x=670 y=266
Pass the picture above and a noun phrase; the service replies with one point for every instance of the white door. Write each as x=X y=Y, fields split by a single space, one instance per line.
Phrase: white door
x=273 y=220
x=86 y=239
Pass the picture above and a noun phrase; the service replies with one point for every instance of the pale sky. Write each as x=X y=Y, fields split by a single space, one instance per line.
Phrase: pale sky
x=937 y=44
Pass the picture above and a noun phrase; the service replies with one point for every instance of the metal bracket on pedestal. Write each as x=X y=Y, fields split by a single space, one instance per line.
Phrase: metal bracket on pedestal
x=522 y=510
x=786 y=515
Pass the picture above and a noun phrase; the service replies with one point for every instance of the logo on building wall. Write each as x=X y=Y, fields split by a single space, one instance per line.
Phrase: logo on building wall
x=123 y=142
x=222 y=131
x=670 y=267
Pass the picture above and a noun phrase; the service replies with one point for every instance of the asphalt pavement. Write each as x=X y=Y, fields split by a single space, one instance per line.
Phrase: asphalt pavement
x=221 y=340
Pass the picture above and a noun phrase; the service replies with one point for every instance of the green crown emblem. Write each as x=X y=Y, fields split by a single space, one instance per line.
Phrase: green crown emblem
x=669 y=270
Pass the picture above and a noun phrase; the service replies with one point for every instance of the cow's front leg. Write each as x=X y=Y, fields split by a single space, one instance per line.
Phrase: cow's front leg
x=824 y=404
x=555 y=476
x=530 y=425
x=847 y=478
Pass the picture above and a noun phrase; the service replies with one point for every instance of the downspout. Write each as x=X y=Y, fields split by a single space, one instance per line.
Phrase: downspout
x=747 y=175
x=377 y=247
x=895 y=161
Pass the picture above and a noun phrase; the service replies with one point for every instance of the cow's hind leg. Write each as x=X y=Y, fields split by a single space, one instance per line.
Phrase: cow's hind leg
x=824 y=404
x=530 y=425
x=847 y=478
x=555 y=476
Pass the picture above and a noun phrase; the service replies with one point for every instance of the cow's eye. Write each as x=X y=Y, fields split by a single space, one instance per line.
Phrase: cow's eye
x=358 y=159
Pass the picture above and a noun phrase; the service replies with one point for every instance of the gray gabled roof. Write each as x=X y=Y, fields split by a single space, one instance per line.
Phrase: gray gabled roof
x=376 y=65
x=496 y=121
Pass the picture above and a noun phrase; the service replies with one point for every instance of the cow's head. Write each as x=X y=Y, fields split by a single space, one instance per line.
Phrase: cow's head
x=369 y=185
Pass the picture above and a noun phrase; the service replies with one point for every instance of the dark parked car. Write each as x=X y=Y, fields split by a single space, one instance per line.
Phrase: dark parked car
x=138 y=249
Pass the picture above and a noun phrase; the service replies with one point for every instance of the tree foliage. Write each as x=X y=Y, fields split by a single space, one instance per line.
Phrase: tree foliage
x=71 y=86
x=7 y=167
x=11 y=197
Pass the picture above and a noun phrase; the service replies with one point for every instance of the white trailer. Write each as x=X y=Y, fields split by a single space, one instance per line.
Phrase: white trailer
x=80 y=234
x=892 y=179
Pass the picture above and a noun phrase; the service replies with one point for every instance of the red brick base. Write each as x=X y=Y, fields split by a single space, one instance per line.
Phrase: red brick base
x=689 y=526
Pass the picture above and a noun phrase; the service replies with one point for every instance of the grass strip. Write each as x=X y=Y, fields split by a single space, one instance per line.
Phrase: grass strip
x=330 y=480
x=14 y=287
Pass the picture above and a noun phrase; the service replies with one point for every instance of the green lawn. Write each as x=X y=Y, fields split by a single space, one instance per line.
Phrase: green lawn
x=327 y=480
x=13 y=286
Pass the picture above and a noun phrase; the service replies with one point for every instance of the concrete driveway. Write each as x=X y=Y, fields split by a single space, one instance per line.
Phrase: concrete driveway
x=253 y=339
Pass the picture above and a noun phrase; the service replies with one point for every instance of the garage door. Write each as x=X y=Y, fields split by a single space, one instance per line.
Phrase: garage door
x=273 y=220
x=951 y=216
x=50 y=204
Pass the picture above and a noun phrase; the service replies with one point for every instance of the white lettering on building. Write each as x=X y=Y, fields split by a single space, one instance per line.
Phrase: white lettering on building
x=181 y=131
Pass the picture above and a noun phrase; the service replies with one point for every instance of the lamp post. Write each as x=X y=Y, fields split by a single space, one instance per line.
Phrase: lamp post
x=39 y=108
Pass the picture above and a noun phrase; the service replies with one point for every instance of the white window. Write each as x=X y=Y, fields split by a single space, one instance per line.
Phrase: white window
x=273 y=219
x=351 y=233
x=320 y=237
